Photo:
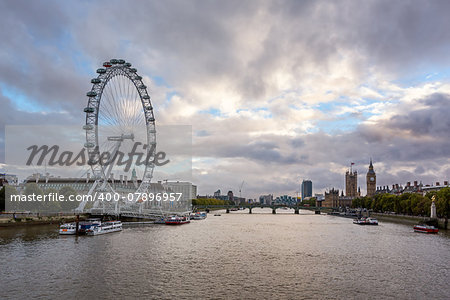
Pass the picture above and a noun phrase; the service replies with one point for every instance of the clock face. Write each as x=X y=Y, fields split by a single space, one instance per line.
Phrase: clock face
x=372 y=178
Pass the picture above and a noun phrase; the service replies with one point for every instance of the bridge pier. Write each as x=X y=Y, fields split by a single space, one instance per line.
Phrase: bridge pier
x=274 y=210
x=228 y=210
x=297 y=211
x=250 y=210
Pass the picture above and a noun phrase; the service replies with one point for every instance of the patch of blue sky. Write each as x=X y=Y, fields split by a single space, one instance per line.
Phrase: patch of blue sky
x=424 y=76
x=21 y=101
x=212 y=111
x=159 y=81
x=293 y=106
x=337 y=106
x=169 y=95
x=336 y=126
x=332 y=106
x=83 y=65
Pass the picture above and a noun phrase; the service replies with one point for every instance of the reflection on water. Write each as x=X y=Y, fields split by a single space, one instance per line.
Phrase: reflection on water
x=236 y=255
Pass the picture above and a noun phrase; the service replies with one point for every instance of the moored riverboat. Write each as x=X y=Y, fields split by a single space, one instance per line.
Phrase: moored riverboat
x=105 y=227
x=425 y=229
x=198 y=216
x=85 y=226
x=68 y=228
x=177 y=220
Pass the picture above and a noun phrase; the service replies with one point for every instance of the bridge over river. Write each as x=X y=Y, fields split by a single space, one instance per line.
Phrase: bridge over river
x=274 y=207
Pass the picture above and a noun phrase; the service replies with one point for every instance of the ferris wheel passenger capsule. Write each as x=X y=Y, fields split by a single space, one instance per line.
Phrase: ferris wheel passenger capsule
x=101 y=71
x=88 y=109
x=151 y=119
x=89 y=145
x=95 y=80
x=148 y=108
x=91 y=94
x=113 y=61
x=127 y=64
x=133 y=70
x=138 y=77
x=142 y=86
x=120 y=61
x=107 y=64
x=88 y=127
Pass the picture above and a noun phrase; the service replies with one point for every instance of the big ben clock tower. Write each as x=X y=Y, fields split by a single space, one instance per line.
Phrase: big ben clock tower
x=371 y=180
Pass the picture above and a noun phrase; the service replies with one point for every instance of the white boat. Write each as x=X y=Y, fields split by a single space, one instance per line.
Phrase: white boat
x=68 y=228
x=104 y=227
x=371 y=221
x=365 y=221
x=85 y=226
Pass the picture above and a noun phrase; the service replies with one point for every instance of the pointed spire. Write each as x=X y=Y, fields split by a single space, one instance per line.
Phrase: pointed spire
x=371 y=166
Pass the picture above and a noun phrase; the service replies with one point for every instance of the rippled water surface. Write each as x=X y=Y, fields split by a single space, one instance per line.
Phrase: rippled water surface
x=236 y=255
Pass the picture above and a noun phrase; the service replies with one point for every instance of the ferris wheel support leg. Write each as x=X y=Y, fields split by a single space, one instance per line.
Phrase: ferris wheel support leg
x=116 y=208
x=80 y=207
x=111 y=163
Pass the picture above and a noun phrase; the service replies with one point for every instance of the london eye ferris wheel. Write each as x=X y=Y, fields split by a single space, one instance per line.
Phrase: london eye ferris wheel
x=119 y=113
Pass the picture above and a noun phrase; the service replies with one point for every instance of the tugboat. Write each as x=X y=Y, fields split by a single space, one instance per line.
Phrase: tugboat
x=425 y=229
x=177 y=220
x=68 y=228
x=105 y=227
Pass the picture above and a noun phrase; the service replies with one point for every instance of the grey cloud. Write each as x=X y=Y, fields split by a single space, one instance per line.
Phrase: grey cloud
x=433 y=119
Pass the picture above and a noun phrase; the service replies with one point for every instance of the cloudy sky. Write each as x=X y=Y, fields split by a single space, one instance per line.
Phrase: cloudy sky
x=275 y=91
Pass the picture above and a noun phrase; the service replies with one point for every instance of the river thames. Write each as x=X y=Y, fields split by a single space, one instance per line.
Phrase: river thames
x=234 y=256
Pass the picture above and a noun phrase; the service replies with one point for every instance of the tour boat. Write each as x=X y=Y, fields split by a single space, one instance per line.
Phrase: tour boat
x=365 y=221
x=361 y=221
x=68 y=228
x=85 y=226
x=177 y=220
x=198 y=216
x=105 y=227
x=425 y=229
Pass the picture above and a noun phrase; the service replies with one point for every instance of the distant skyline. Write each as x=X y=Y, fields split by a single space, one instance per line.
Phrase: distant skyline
x=276 y=91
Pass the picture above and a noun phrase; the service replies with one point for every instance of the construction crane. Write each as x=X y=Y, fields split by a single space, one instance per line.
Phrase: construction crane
x=240 y=188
